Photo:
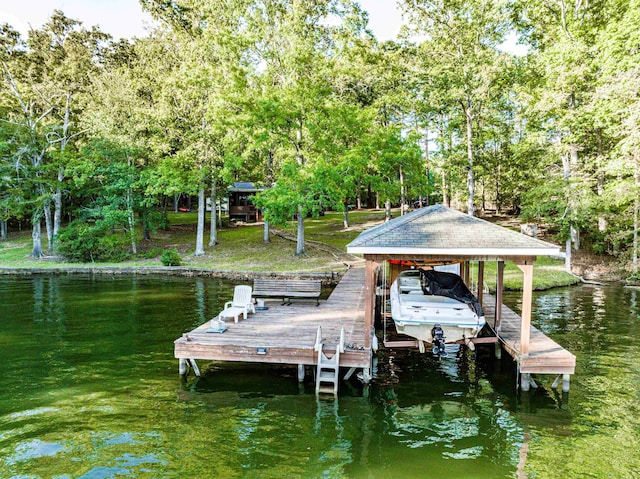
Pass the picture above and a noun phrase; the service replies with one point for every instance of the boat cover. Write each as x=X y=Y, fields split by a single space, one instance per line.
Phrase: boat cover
x=441 y=283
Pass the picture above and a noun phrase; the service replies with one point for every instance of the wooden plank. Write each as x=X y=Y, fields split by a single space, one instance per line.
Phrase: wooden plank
x=286 y=334
x=527 y=298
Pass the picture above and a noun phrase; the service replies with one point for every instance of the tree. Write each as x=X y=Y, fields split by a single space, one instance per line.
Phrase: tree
x=44 y=86
x=462 y=60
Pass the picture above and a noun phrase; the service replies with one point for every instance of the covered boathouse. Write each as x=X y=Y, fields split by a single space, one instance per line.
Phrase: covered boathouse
x=438 y=235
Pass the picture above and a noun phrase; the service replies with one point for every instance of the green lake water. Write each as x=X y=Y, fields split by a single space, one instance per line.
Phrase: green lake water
x=89 y=389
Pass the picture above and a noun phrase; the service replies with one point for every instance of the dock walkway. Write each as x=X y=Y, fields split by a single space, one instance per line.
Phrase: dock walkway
x=545 y=355
x=287 y=334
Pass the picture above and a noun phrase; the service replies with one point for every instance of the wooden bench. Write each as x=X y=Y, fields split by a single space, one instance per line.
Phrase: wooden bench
x=287 y=289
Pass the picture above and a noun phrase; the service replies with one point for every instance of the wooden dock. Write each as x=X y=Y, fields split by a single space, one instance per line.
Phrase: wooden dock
x=545 y=355
x=287 y=334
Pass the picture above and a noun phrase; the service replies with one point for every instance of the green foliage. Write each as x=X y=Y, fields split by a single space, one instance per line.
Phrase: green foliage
x=299 y=95
x=171 y=257
x=151 y=253
x=82 y=242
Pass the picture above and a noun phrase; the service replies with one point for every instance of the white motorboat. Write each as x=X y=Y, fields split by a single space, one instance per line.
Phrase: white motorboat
x=435 y=307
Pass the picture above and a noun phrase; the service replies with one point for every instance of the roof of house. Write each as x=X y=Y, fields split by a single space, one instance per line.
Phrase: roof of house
x=438 y=230
x=244 y=187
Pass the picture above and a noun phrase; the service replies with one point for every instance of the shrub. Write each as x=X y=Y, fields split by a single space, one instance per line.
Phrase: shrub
x=170 y=257
x=82 y=242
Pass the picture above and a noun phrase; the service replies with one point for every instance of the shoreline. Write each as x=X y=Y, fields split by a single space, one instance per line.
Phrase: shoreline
x=329 y=278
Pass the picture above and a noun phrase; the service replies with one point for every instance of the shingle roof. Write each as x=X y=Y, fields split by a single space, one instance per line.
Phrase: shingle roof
x=440 y=230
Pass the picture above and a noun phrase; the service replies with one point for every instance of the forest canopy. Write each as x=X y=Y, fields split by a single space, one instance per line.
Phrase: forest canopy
x=299 y=97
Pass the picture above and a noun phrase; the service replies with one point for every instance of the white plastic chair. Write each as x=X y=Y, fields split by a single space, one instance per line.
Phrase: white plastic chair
x=242 y=304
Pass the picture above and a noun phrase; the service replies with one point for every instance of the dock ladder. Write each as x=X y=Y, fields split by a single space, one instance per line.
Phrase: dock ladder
x=328 y=369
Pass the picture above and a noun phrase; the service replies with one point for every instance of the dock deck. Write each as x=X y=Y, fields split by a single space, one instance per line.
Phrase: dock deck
x=287 y=334
x=545 y=355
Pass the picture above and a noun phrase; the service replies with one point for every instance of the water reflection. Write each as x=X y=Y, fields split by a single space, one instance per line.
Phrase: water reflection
x=89 y=388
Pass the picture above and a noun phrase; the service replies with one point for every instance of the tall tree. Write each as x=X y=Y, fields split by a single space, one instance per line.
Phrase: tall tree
x=463 y=59
x=45 y=86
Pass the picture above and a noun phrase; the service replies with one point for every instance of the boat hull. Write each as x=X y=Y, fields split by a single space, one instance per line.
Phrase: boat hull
x=415 y=314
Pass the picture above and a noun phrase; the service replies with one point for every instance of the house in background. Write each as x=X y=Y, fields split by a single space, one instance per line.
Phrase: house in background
x=240 y=206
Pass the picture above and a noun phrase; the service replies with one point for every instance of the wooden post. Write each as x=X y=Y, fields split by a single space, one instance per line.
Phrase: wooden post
x=480 y=280
x=369 y=300
x=527 y=298
x=300 y=373
x=394 y=270
x=182 y=367
x=499 y=288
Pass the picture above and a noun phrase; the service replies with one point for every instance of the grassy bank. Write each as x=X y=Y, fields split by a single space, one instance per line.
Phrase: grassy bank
x=547 y=273
x=241 y=248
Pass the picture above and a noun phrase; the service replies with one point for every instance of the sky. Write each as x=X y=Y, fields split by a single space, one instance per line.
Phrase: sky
x=125 y=18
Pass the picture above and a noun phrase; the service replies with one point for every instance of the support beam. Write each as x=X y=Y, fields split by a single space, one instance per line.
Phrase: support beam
x=300 y=373
x=194 y=365
x=182 y=367
x=480 y=280
x=349 y=373
x=499 y=290
x=527 y=299
x=369 y=300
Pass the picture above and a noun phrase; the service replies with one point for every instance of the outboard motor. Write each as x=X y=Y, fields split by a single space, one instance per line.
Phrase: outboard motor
x=438 y=341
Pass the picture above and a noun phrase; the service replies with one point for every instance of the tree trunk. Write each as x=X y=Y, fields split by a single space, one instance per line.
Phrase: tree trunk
x=358 y=200
x=36 y=233
x=57 y=205
x=377 y=201
x=602 y=220
x=3 y=230
x=345 y=220
x=265 y=232
x=266 y=238
x=498 y=199
x=470 y=184
x=566 y=167
x=213 y=231
x=300 y=240
x=445 y=190
x=132 y=224
x=387 y=210
x=176 y=200
x=636 y=214
x=201 y=220
x=47 y=224
x=57 y=197
x=403 y=195
x=146 y=231
x=426 y=164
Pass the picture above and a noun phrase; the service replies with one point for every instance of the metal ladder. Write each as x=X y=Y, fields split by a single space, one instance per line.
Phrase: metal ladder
x=328 y=369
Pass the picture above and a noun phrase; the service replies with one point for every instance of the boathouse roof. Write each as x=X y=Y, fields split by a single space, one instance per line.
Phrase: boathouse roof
x=438 y=230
